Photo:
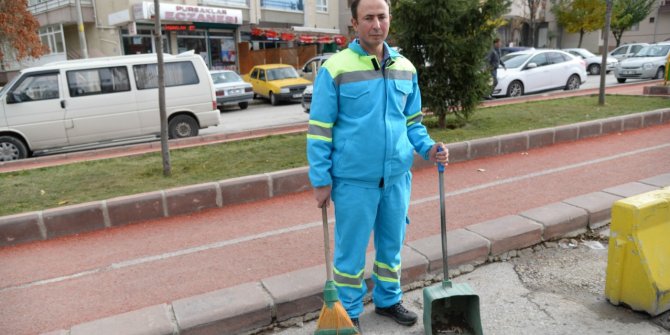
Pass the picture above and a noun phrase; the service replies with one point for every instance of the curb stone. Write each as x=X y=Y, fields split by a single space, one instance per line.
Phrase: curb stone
x=96 y=215
x=296 y=296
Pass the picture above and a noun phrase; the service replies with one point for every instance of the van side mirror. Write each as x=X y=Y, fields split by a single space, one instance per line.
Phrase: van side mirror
x=13 y=97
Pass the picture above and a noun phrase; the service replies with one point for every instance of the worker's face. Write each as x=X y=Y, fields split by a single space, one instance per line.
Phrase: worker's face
x=372 y=23
x=497 y=44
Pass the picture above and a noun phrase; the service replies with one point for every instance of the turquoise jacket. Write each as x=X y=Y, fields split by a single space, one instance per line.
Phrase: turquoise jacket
x=365 y=119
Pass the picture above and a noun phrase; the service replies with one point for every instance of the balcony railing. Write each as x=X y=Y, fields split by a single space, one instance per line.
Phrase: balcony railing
x=49 y=5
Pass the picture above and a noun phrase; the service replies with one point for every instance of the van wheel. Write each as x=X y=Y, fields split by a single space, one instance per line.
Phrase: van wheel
x=243 y=105
x=182 y=126
x=273 y=99
x=11 y=149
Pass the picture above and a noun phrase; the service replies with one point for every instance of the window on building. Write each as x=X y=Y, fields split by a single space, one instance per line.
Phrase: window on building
x=98 y=81
x=292 y=5
x=176 y=74
x=142 y=42
x=321 y=5
x=52 y=37
x=239 y=3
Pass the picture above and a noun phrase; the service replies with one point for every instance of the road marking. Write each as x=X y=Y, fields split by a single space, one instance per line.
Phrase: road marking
x=222 y=244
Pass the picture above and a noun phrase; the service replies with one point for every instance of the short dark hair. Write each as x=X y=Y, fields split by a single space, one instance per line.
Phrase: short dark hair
x=496 y=40
x=354 y=7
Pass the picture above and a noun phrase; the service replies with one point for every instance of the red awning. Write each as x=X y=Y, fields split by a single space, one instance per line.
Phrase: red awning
x=325 y=39
x=340 y=40
x=287 y=37
x=307 y=39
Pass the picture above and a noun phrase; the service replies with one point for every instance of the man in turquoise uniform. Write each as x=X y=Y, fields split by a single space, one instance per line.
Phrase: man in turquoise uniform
x=365 y=124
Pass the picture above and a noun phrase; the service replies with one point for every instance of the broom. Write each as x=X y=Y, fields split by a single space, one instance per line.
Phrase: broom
x=333 y=319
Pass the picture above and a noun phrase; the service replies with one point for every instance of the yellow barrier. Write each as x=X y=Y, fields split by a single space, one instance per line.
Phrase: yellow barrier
x=638 y=264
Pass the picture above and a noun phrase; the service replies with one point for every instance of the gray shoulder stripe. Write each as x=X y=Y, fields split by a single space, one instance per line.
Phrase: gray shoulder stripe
x=400 y=74
x=350 y=77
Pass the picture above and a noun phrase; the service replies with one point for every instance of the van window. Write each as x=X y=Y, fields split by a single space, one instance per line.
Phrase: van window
x=176 y=74
x=35 y=87
x=98 y=81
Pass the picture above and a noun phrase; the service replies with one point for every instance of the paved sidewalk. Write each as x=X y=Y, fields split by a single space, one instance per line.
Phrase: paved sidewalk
x=554 y=288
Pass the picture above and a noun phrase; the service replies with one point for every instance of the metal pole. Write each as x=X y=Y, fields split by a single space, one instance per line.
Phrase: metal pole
x=80 y=27
x=603 y=61
x=158 y=39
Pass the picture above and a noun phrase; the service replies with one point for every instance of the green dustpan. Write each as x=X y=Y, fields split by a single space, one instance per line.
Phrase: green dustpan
x=449 y=308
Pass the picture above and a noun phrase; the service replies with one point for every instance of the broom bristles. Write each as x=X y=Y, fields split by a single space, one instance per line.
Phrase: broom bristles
x=334 y=320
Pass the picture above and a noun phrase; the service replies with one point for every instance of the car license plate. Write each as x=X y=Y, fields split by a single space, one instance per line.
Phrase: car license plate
x=235 y=91
x=629 y=72
x=299 y=95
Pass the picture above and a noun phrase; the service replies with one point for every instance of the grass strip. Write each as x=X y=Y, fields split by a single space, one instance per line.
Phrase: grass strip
x=37 y=189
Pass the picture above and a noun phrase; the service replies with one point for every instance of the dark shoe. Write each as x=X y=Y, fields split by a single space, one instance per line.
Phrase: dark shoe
x=398 y=313
x=357 y=325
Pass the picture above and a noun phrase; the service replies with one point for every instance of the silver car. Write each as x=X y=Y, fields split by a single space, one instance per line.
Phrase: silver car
x=593 y=61
x=231 y=89
x=648 y=63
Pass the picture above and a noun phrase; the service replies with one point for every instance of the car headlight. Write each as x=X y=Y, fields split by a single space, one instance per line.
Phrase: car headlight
x=309 y=89
x=648 y=66
x=284 y=90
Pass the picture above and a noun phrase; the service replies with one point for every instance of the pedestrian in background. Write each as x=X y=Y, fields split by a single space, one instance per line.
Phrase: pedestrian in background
x=365 y=124
x=494 y=61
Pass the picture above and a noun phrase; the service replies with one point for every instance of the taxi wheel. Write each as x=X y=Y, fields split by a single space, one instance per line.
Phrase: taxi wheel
x=273 y=99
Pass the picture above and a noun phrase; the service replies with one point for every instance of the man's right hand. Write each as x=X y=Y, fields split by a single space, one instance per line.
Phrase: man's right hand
x=322 y=196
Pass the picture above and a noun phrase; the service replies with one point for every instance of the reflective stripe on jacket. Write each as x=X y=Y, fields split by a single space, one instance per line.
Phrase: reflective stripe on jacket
x=365 y=119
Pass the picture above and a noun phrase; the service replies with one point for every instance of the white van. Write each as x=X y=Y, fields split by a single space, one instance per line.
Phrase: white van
x=92 y=102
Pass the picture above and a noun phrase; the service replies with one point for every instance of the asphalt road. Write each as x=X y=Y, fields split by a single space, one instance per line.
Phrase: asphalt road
x=261 y=114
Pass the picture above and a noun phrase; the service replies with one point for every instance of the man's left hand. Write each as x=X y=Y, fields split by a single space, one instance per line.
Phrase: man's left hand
x=441 y=157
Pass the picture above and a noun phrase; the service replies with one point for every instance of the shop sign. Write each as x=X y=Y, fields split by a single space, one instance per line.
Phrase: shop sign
x=173 y=12
x=178 y=27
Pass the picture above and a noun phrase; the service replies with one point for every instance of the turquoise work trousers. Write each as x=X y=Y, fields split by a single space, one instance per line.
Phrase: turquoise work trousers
x=358 y=212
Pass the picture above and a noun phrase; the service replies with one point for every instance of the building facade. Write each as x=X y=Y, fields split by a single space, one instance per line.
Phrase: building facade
x=214 y=29
x=549 y=34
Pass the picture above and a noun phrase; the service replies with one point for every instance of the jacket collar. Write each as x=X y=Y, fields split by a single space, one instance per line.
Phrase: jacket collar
x=357 y=48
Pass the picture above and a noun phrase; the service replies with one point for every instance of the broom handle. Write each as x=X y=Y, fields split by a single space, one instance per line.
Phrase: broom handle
x=443 y=221
x=326 y=243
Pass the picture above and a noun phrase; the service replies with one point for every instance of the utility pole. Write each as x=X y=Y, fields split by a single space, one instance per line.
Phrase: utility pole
x=603 y=61
x=158 y=41
x=80 y=27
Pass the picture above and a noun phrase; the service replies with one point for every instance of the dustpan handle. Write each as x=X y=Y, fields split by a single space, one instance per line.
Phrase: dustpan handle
x=326 y=243
x=443 y=220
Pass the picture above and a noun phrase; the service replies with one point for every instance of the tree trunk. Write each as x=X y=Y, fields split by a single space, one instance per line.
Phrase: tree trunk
x=581 y=37
x=603 y=61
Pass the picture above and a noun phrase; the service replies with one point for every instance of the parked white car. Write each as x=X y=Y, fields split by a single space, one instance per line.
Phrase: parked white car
x=593 y=61
x=647 y=63
x=539 y=70
x=231 y=89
